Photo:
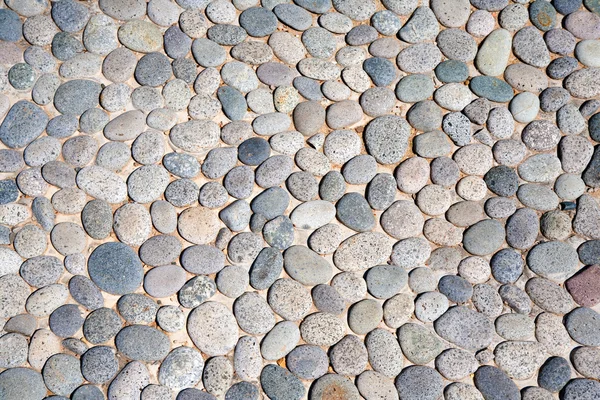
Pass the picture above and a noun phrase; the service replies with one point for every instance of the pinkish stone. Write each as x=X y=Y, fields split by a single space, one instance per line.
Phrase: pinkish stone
x=584 y=287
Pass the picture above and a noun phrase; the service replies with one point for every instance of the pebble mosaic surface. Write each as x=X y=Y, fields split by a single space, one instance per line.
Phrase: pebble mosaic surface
x=317 y=199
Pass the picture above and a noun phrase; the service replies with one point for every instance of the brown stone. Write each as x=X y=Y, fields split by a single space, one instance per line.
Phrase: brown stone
x=584 y=287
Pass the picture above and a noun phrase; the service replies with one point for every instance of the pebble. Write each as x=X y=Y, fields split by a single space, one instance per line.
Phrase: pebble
x=98 y=365
x=419 y=58
x=170 y=318
x=553 y=260
x=176 y=378
x=475 y=330
x=525 y=77
x=19 y=383
x=322 y=329
x=421 y=26
x=495 y=384
x=418 y=343
x=349 y=356
x=582 y=286
x=585 y=361
x=554 y=374
x=280 y=341
x=455 y=364
x=582 y=325
x=419 y=382
x=364 y=316
x=130 y=381
x=581 y=388
x=480 y=23
x=549 y=296
x=66 y=320
x=307 y=362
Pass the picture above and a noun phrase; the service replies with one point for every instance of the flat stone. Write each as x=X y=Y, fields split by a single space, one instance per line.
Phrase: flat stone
x=519 y=360
x=20 y=383
x=419 y=345
x=213 y=320
x=322 y=329
x=583 y=286
x=582 y=324
x=280 y=341
x=419 y=382
x=110 y=262
x=491 y=88
x=585 y=361
x=553 y=260
x=495 y=384
x=465 y=328
x=549 y=296
x=362 y=251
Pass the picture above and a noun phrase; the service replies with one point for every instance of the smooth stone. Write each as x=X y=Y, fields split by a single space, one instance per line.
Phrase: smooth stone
x=581 y=389
x=494 y=384
x=22 y=383
x=176 y=378
x=450 y=14
x=452 y=71
x=585 y=360
x=311 y=329
x=408 y=213
x=23 y=124
x=213 y=320
x=583 y=326
x=313 y=214
x=491 y=88
x=354 y=211
x=364 y=316
x=140 y=36
x=583 y=83
x=109 y=262
x=525 y=107
x=484 y=237
x=98 y=365
x=465 y=328
x=130 y=381
x=541 y=168
x=583 y=286
x=307 y=362
x=280 y=341
x=419 y=344
x=549 y=296
x=455 y=364
x=247 y=358
x=333 y=383
x=541 y=135
x=385 y=354
x=524 y=77
x=519 y=360
x=386 y=138
x=419 y=382
x=538 y=197
x=542 y=15
x=361 y=251
x=419 y=58
x=588 y=53
x=554 y=374
x=421 y=26
x=553 y=260
x=457 y=45
x=277 y=381
x=306 y=266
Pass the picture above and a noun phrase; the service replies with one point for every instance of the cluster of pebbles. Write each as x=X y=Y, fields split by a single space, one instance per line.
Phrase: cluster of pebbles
x=317 y=199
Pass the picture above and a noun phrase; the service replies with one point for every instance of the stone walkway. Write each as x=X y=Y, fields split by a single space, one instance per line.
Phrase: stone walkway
x=317 y=199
